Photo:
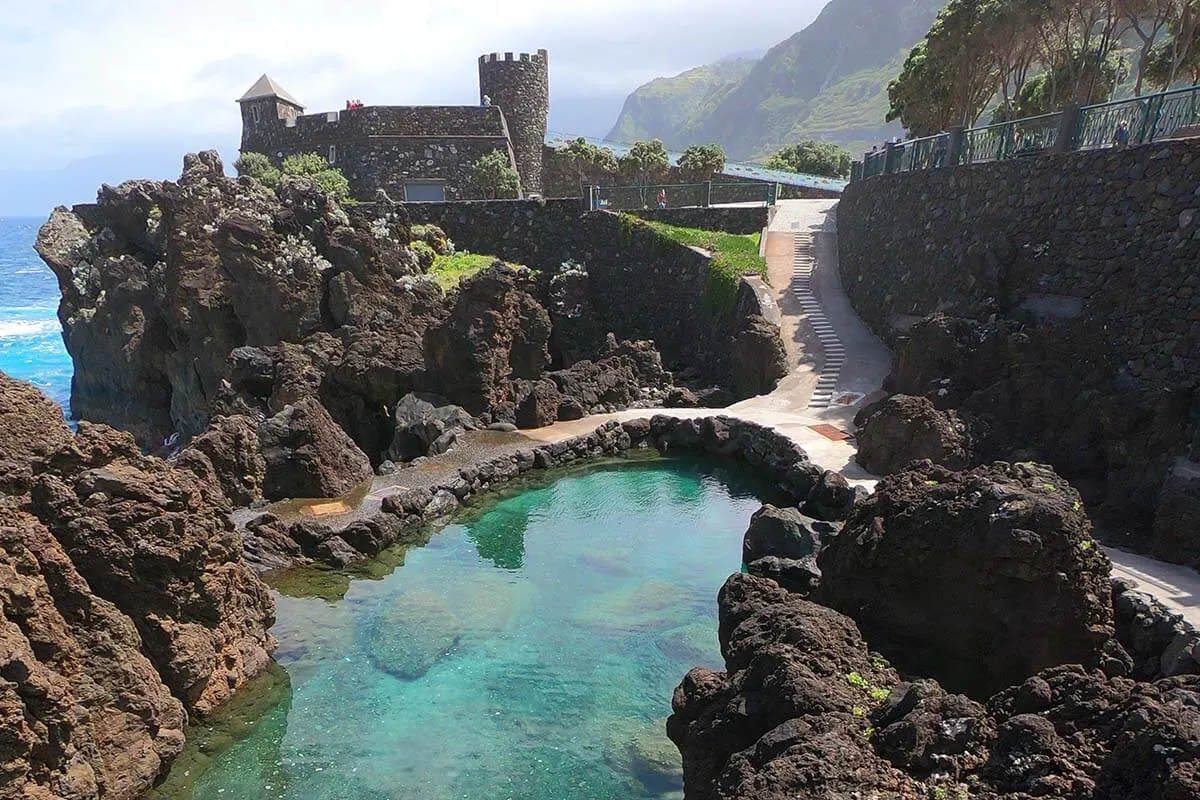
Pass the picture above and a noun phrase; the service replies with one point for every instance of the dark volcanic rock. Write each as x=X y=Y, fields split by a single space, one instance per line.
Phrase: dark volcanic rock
x=171 y=290
x=308 y=455
x=156 y=541
x=83 y=711
x=1060 y=395
x=902 y=428
x=537 y=403
x=426 y=425
x=496 y=332
x=979 y=578
x=799 y=575
x=783 y=532
x=781 y=722
x=831 y=497
x=625 y=374
x=231 y=445
x=758 y=359
x=805 y=710
x=31 y=424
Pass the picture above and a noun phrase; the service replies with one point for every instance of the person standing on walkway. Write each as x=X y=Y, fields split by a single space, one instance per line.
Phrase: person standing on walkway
x=662 y=198
x=1121 y=135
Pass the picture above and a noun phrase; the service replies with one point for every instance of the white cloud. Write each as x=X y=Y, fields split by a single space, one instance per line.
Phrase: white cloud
x=91 y=78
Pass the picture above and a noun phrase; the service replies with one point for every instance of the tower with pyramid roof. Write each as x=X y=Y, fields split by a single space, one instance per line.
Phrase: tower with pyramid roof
x=266 y=108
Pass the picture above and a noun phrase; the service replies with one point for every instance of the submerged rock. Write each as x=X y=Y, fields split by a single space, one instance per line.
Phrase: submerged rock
x=414 y=630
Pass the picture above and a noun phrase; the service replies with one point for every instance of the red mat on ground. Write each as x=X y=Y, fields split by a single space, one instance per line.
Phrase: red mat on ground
x=830 y=432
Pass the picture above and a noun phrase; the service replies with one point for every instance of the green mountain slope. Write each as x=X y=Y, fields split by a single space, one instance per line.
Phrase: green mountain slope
x=680 y=104
x=829 y=81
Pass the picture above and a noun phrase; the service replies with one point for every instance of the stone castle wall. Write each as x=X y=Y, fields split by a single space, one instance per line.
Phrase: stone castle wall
x=1097 y=254
x=520 y=85
x=382 y=147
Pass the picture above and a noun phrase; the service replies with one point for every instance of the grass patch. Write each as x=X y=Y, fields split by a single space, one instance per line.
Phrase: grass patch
x=449 y=270
x=734 y=255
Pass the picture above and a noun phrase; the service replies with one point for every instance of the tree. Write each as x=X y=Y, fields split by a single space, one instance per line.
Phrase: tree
x=587 y=160
x=645 y=163
x=1184 y=23
x=317 y=168
x=811 y=157
x=1012 y=42
x=948 y=77
x=494 y=176
x=1162 y=69
x=258 y=167
x=1049 y=91
x=311 y=165
x=1147 y=20
x=701 y=162
x=1076 y=38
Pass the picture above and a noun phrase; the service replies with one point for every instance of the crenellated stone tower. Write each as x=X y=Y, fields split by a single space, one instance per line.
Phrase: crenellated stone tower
x=520 y=85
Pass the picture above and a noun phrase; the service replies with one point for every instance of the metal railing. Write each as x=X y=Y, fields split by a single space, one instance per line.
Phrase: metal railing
x=733 y=169
x=1145 y=119
x=681 y=195
x=874 y=163
x=1018 y=137
x=1138 y=120
x=925 y=153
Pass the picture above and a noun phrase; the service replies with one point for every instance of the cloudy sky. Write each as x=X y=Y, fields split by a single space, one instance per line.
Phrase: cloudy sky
x=102 y=90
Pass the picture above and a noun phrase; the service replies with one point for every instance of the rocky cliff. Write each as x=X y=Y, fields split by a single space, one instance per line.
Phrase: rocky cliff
x=125 y=606
x=987 y=581
x=283 y=330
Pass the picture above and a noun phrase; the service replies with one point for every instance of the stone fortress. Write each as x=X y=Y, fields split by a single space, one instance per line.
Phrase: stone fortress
x=414 y=153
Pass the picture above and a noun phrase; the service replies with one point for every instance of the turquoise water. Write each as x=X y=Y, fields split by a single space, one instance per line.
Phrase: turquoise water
x=528 y=651
x=31 y=346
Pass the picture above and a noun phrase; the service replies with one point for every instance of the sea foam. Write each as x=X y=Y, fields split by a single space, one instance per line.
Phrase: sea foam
x=22 y=328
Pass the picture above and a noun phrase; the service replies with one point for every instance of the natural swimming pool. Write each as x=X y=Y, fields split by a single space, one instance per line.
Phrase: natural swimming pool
x=529 y=650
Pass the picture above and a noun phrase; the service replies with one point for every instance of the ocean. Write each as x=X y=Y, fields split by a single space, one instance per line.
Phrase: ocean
x=31 y=345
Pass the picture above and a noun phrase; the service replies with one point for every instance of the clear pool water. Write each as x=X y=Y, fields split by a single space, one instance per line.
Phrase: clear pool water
x=528 y=651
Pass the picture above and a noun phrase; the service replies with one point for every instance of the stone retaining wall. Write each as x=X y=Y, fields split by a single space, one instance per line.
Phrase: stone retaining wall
x=1103 y=242
x=405 y=515
x=640 y=284
x=739 y=219
x=1095 y=254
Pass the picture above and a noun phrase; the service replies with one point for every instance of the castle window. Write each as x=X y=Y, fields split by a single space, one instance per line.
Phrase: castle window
x=424 y=192
x=256 y=113
x=333 y=154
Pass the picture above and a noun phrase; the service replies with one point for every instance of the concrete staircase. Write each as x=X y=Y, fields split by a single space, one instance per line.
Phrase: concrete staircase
x=834 y=353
